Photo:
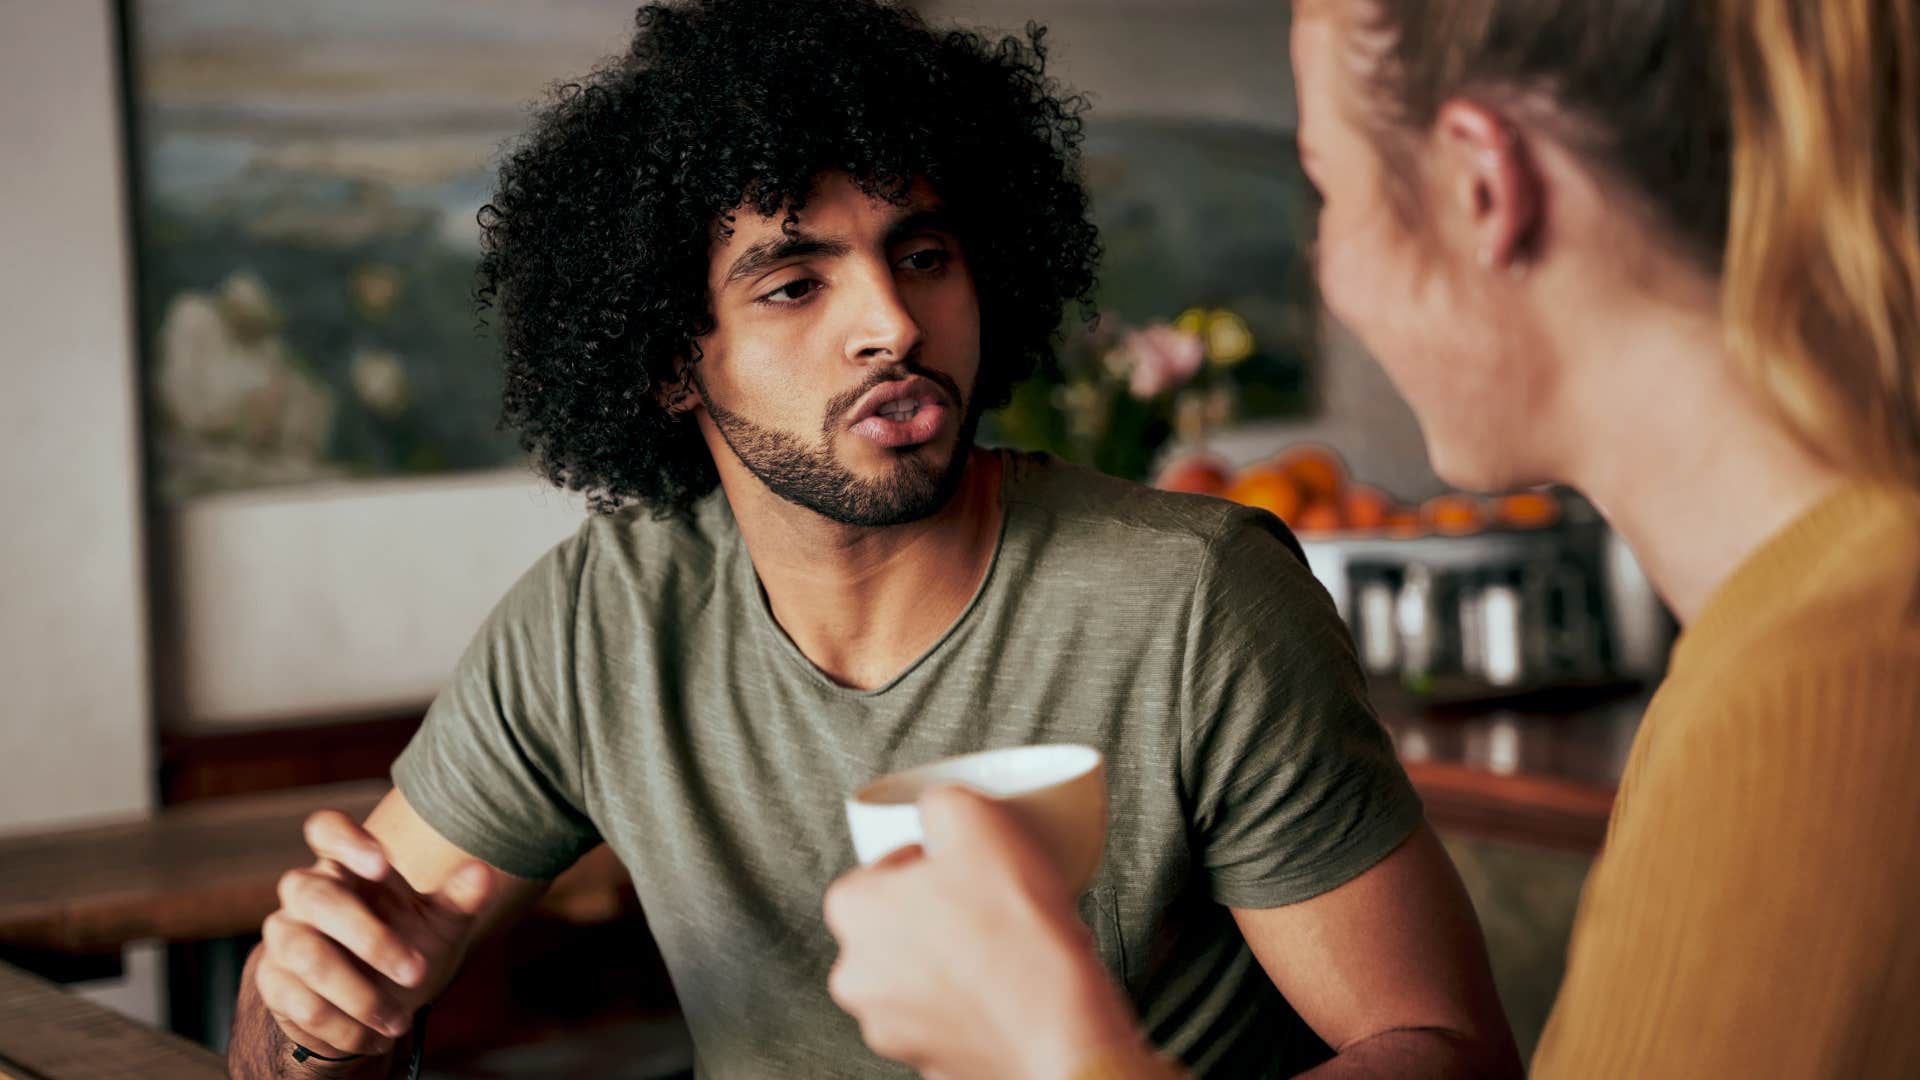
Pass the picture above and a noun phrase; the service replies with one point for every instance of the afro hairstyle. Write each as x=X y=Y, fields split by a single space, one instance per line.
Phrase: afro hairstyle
x=597 y=241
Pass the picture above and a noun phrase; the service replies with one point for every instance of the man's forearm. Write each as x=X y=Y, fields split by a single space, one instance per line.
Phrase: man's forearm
x=1431 y=1052
x=259 y=1050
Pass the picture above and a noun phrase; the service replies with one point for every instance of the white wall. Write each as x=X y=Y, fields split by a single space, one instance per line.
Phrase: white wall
x=329 y=601
x=1219 y=59
x=75 y=737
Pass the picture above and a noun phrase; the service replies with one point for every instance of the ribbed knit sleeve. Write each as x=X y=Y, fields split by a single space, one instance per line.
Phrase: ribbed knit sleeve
x=1757 y=910
x=1130 y=1063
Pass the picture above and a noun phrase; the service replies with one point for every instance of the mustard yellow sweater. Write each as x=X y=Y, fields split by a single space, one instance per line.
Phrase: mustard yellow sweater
x=1756 y=911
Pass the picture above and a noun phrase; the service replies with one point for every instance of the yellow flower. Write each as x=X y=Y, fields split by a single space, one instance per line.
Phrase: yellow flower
x=1229 y=340
x=1192 y=321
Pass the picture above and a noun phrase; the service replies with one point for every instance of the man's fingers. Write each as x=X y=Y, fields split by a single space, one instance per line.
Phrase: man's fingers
x=293 y=1002
x=336 y=910
x=466 y=891
x=322 y=966
x=333 y=835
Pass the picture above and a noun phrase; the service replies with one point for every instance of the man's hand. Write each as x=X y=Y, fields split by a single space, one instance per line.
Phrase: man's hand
x=966 y=959
x=354 y=950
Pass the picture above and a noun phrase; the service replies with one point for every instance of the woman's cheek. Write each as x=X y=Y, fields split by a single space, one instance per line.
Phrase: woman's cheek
x=1343 y=284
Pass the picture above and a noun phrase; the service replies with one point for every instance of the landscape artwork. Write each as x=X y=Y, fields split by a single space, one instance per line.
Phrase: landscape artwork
x=307 y=180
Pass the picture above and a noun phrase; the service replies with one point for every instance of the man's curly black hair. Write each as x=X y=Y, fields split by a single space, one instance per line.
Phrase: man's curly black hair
x=597 y=242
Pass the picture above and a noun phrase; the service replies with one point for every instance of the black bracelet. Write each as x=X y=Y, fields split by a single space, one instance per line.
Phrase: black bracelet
x=419 y=1040
x=301 y=1054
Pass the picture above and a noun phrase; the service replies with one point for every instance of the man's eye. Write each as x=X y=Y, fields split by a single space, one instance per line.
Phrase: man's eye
x=791 y=292
x=925 y=259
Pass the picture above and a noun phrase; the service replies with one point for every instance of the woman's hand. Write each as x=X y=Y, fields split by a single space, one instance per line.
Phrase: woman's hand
x=966 y=959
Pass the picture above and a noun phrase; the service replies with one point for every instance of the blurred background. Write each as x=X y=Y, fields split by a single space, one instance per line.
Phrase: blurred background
x=256 y=501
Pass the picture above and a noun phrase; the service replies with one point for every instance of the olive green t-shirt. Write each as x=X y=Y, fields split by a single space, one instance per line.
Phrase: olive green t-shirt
x=634 y=687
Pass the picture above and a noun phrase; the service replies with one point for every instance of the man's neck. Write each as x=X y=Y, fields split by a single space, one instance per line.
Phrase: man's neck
x=863 y=603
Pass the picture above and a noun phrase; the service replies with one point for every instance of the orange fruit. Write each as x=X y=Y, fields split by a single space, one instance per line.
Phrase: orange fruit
x=1316 y=471
x=1365 y=507
x=1453 y=515
x=1196 y=473
x=1268 y=490
x=1319 y=517
x=1404 y=524
x=1528 y=510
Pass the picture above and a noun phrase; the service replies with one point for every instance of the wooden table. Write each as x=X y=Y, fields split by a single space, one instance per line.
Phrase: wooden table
x=204 y=870
x=47 y=1033
x=1541 y=771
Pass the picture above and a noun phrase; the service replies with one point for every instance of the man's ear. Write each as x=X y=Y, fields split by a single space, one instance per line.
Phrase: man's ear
x=679 y=394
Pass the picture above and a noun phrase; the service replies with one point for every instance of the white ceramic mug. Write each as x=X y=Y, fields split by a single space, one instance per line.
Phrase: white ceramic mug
x=1058 y=792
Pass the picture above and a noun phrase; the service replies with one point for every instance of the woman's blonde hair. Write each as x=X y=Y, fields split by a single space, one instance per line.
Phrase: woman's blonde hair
x=1822 y=280
x=1776 y=141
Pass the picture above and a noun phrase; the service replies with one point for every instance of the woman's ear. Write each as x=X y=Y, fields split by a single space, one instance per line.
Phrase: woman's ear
x=1493 y=179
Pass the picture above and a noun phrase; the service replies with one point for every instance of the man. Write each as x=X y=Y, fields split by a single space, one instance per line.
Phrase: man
x=757 y=282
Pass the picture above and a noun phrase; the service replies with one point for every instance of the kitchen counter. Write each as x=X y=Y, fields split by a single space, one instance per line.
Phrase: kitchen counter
x=1540 y=769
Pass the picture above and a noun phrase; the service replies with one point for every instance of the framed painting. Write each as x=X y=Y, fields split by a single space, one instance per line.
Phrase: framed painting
x=337 y=506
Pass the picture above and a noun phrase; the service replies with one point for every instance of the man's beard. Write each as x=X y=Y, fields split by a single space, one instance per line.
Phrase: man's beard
x=812 y=476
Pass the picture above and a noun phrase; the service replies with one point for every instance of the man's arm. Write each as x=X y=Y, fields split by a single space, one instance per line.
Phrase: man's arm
x=1390 y=970
x=377 y=927
x=1307 y=827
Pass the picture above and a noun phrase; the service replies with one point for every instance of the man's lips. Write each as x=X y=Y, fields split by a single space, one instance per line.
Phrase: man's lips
x=896 y=396
x=905 y=412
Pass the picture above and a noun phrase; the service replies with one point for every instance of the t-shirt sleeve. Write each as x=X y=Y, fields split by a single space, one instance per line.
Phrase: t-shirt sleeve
x=495 y=768
x=1294 y=785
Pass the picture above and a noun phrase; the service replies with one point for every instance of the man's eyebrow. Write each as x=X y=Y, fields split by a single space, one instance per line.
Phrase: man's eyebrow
x=920 y=221
x=772 y=251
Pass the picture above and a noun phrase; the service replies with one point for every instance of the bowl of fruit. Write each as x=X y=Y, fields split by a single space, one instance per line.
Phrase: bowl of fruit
x=1309 y=488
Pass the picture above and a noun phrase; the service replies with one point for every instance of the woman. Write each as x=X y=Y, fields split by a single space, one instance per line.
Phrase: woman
x=1667 y=252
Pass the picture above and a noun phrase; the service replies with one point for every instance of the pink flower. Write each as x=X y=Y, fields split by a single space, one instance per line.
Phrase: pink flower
x=1163 y=359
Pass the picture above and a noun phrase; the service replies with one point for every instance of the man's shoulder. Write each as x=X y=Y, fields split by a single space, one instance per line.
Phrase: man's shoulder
x=1103 y=515
x=1166 y=542
x=635 y=554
